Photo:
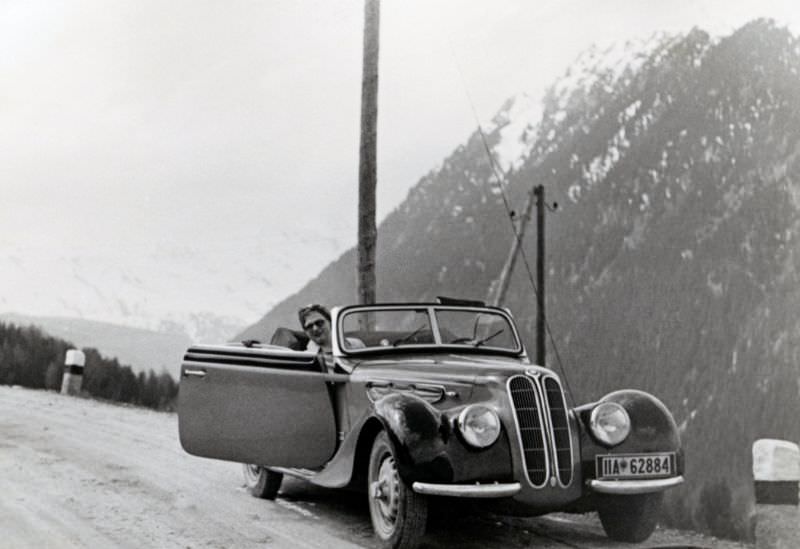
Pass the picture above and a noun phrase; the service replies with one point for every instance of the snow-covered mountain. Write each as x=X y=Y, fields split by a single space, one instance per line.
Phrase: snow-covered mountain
x=208 y=291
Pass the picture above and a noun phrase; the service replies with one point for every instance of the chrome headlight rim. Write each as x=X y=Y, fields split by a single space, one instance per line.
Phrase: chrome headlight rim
x=599 y=423
x=467 y=432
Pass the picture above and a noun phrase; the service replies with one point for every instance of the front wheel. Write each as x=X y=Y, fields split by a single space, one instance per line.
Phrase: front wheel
x=398 y=513
x=629 y=518
x=261 y=482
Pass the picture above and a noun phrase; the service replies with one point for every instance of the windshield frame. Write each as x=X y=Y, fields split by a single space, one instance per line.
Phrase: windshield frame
x=437 y=346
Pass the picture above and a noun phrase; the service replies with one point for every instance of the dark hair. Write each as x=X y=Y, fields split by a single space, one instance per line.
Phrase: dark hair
x=314 y=308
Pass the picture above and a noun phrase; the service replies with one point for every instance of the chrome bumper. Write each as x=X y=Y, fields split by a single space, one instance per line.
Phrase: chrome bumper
x=628 y=487
x=494 y=490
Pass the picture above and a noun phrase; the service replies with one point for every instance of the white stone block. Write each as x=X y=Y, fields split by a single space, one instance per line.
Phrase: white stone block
x=75 y=358
x=776 y=460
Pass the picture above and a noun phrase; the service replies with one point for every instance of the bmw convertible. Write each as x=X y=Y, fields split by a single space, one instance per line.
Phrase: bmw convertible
x=428 y=400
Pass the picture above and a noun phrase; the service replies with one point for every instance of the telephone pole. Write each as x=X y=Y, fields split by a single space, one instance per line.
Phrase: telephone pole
x=537 y=193
x=541 y=350
x=508 y=268
x=367 y=171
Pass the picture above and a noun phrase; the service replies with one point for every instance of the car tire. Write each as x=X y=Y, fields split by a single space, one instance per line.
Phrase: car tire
x=398 y=514
x=630 y=519
x=261 y=482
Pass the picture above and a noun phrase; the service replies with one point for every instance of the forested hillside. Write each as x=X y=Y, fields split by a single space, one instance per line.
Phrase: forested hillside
x=30 y=358
x=673 y=261
x=142 y=350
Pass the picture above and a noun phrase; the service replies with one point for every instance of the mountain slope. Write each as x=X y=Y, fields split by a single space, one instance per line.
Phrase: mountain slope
x=684 y=286
x=208 y=290
x=673 y=260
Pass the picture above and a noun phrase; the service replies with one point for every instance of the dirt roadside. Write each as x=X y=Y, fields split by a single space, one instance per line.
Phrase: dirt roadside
x=77 y=473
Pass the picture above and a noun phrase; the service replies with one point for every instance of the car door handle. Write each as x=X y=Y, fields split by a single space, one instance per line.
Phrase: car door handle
x=195 y=372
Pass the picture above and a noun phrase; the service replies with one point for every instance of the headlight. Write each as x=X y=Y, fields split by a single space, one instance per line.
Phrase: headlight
x=479 y=425
x=610 y=423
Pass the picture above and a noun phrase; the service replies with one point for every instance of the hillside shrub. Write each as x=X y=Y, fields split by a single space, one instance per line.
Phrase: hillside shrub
x=30 y=358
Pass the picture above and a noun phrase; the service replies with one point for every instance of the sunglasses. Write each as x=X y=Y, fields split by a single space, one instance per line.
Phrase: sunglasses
x=319 y=323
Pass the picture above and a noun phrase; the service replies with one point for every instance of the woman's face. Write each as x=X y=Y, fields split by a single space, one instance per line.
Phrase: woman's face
x=318 y=328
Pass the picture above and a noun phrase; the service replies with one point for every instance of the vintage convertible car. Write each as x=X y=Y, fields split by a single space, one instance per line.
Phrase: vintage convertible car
x=428 y=400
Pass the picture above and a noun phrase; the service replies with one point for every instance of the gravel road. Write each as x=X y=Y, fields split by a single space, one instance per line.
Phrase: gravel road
x=77 y=473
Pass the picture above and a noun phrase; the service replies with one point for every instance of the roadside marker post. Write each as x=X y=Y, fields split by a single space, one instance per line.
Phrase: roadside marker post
x=776 y=473
x=73 y=372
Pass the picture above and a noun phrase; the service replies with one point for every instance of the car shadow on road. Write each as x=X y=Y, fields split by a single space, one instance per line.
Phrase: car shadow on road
x=454 y=522
x=451 y=522
x=345 y=511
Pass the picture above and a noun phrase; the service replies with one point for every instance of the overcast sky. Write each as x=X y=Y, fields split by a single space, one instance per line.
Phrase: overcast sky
x=140 y=123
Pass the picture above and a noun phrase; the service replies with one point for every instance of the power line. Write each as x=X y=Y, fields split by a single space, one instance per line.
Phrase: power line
x=499 y=177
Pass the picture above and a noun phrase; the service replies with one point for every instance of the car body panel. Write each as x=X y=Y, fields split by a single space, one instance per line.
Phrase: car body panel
x=252 y=406
x=652 y=428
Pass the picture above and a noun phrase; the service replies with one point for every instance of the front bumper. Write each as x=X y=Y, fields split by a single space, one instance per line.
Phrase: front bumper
x=630 y=487
x=504 y=490
x=477 y=490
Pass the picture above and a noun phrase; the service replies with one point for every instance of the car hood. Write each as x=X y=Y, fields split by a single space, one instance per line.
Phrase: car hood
x=442 y=368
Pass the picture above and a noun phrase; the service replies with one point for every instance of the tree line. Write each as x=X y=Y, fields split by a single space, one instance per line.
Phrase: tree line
x=30 y=358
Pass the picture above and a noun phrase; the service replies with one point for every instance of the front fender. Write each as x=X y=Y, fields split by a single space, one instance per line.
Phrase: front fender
x=420 y=433
x=653 y=428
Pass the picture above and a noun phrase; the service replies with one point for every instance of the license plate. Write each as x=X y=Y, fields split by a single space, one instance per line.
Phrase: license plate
x=631 y=466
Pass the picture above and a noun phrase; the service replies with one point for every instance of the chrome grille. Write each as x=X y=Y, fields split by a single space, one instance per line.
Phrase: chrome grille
x=531 y=433
x=559 y=423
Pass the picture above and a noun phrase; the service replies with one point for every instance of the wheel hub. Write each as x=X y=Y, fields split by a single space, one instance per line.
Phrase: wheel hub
x=251 y=473
x=385 y=492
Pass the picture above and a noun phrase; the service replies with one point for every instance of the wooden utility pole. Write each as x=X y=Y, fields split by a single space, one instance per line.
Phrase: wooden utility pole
x=503 y=282
x=511 y=260
x=367 y=171
x=541 y=350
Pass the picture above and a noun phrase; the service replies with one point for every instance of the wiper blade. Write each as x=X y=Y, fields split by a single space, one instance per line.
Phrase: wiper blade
x=407 y=337
x=487 y=338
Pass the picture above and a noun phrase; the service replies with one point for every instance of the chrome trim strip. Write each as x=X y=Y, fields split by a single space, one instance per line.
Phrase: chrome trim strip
x=430 y=392
x=552 y=433
x=430 y=308
x=304 y=359
x=629 y=487
x=547 y=414
x=234 y=349
x=521 y=445
x=494 y=490
x=305 y=474
x=288 y=371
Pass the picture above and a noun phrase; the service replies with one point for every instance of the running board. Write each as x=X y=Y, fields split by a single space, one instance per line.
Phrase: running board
x=305 y=474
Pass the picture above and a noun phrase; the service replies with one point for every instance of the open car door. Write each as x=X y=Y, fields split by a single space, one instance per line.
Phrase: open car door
x=268 y=406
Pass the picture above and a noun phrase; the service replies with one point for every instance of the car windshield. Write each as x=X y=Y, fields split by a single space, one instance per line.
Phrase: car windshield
x=379 y=327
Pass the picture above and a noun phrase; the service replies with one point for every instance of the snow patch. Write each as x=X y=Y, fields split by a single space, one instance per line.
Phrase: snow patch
x=606 y=65
x=574 y=192
x=517 y=131
x=716 y=287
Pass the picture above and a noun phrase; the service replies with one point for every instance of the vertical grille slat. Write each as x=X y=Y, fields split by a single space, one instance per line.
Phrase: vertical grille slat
x=559 y=422
x=531 y=432
x=543 y=427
